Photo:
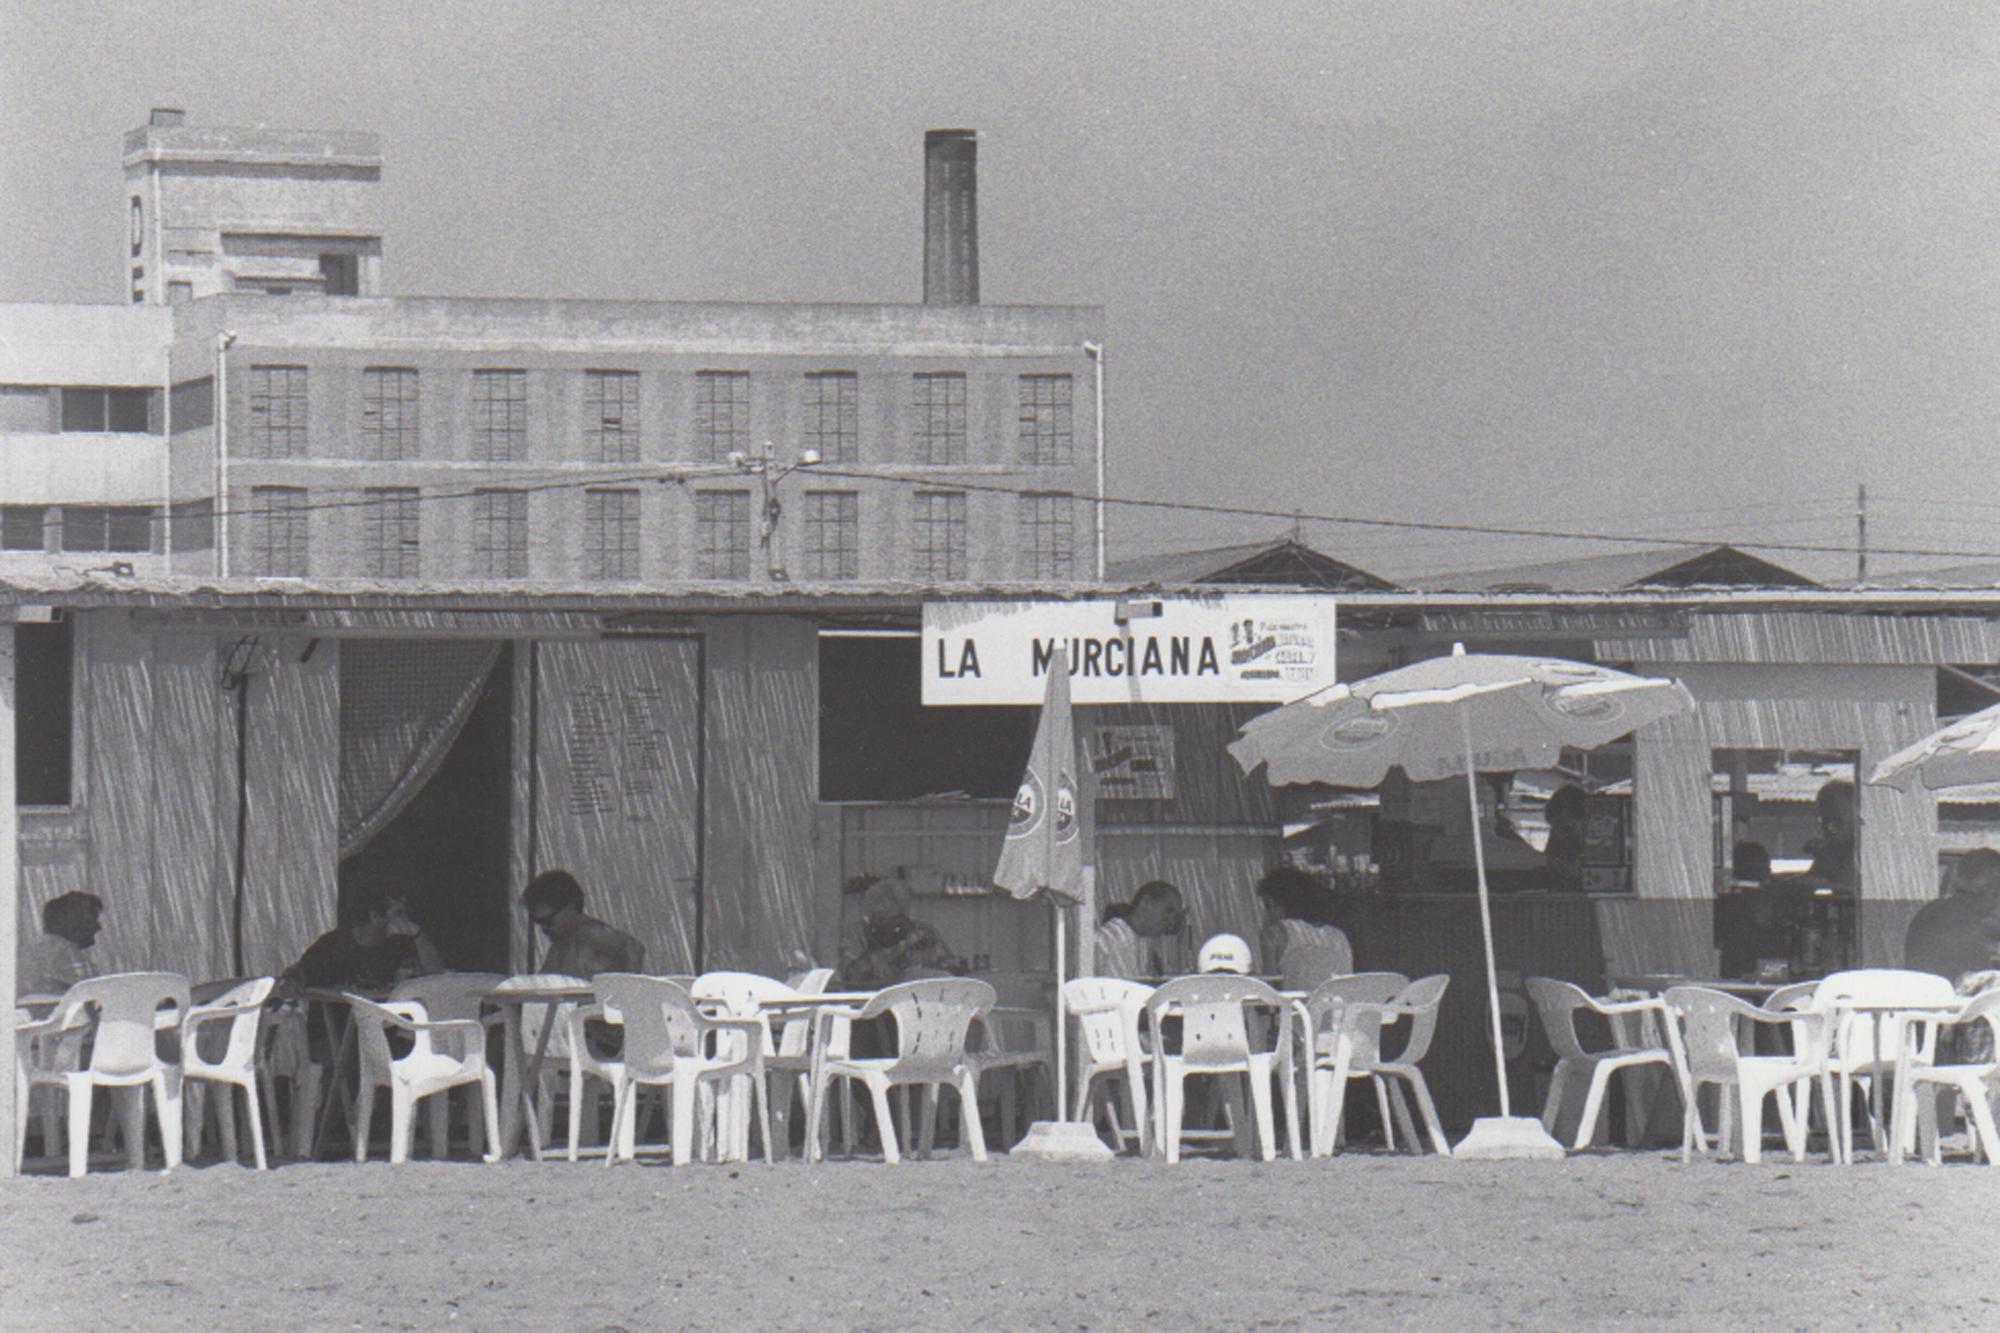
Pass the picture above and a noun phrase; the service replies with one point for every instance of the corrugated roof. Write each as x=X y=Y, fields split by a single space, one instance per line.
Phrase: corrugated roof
x=1280 y=561
x=1661 y=566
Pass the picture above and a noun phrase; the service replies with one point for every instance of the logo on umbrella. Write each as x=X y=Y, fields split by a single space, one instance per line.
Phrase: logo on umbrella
x=1065 y=807
x=1358 y=733
x=1026 y=816
x=1586 y=707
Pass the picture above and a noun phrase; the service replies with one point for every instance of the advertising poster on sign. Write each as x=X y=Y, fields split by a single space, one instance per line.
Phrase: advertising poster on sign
x=1267 y=649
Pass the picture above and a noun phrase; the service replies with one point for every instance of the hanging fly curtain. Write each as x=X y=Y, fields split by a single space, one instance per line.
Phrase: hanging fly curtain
x=402 y=704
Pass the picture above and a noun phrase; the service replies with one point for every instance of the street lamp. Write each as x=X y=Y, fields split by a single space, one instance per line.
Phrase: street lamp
x=769 y=472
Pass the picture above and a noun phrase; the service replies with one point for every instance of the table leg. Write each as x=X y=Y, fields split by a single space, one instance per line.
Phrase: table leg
x=333 y=1085
x=510 y=1081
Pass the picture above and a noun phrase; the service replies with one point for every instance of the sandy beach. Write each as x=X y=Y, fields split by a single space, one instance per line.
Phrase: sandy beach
x=1600 y=1241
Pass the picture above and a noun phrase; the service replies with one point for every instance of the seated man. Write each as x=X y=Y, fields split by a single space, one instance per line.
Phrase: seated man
x=1959 y=933
x=887 y=944
x=375 y=946
x=1140 y=940
x=55 y=962
x=579 y=945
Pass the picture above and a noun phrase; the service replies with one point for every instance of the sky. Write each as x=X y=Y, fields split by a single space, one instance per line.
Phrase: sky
x=1665 y=269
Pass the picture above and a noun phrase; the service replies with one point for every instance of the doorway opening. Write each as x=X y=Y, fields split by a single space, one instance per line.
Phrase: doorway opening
x=448 y=848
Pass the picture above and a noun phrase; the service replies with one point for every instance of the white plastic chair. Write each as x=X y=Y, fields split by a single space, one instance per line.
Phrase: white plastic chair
x=1215 y=1042
x=545 y=1028
x=1107 y=1012
x=125 y=1016
x=235 y=1064
x=1853 y=1056
x=1017 y=1043
x=744 y=995
x=1319 y=1036
x=934 y=1019
x=448 y=997
x=669 y=1042
x=1558 y=1003
x=444 y=1054
x=1705 y=1035
x=1358 y=1053
x=1972 y=1081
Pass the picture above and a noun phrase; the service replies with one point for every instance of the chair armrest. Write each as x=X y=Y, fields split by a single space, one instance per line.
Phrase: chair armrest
x=1613 y=1008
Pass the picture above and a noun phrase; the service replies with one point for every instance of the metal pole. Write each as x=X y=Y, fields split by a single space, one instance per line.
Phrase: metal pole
x=1485 y=915
x=10 y=897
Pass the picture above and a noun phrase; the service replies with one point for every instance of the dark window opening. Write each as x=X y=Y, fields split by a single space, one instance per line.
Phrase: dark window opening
x=107 y=528
x=341 y=274
x=42 y=694
x=877 y=741
x=21 y=528
x=105 y=409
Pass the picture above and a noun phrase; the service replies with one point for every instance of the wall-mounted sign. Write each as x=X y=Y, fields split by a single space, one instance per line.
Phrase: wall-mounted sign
x=1176 y=650
x=1132 y=763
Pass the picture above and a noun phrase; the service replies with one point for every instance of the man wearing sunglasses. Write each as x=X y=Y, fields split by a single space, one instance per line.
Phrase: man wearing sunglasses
x=579 y=945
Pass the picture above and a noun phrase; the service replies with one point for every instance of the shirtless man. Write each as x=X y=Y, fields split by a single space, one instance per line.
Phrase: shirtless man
x=579 y=945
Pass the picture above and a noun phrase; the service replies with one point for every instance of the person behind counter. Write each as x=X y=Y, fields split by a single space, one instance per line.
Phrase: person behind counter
x=1833 y=851
x=1959 y=933
x=1140 y=940
x=1296 y=942
x=887 y=944
x=1563 y=852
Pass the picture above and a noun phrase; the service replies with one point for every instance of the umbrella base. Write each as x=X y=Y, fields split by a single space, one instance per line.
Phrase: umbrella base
x=1062 y=1141
x=1497 y=1138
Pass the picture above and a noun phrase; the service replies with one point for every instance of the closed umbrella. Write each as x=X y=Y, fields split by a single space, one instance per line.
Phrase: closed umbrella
x=1049 y=832
x=1467 y=713
x=1966 y=752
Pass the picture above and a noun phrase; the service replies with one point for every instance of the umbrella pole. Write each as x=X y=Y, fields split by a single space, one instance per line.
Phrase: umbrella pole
x=1062 y=1022
x=1485 y=917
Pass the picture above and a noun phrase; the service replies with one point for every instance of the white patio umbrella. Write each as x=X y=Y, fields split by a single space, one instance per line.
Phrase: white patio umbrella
x=1959 y=755
x=1465 y=713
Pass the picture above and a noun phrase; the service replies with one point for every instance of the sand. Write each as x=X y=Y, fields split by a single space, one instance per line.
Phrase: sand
x=1363 y=1240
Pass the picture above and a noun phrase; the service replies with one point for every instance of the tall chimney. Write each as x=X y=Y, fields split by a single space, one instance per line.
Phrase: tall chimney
x=951 y=217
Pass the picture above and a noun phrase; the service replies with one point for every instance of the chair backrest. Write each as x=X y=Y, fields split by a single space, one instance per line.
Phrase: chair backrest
x=1789 y=999
x=1107 y=1013
x=236 y=1045
x=538 y=1015
x=1214 y=1027
x=742 y=995
x=1313 y=954
x=1707 y=1021
x=1333 y=995
x=1557 y=1002
x=660 y=1018
x=933 y=1018
x=372 y=1022
x=1984 y=1008
x=127 y=1005
x=1424 y=996
x=812 y=981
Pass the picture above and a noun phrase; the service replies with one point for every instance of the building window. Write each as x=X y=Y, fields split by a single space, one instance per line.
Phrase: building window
x=278 y=531
x=833 y=535
x=105 y=409
x=500 y=534
x=722 y=535
x=389 y=413
x=611 y=534
x=1047 y=537
x=277 y=412
x=43 y=694
x=611 y=415
x=499 y=415
x=194 y=525
x=21 y=528
x=1045 y=420
x=389 y=532
x=721 y=413
x=121 y=528
x=938 y=409
x=832 y=415
x=938 y=524
x=340 y=275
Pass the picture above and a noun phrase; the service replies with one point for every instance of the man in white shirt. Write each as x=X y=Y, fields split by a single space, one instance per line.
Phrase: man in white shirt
x=1140 y=940
x=55 y=962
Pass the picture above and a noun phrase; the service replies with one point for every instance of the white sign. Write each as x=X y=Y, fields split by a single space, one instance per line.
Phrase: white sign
x=1180 y=650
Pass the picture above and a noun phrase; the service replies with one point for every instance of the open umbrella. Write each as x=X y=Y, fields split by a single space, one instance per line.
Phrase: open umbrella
x=1963 y=753
x=1460 y=714
x=1049 y=836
